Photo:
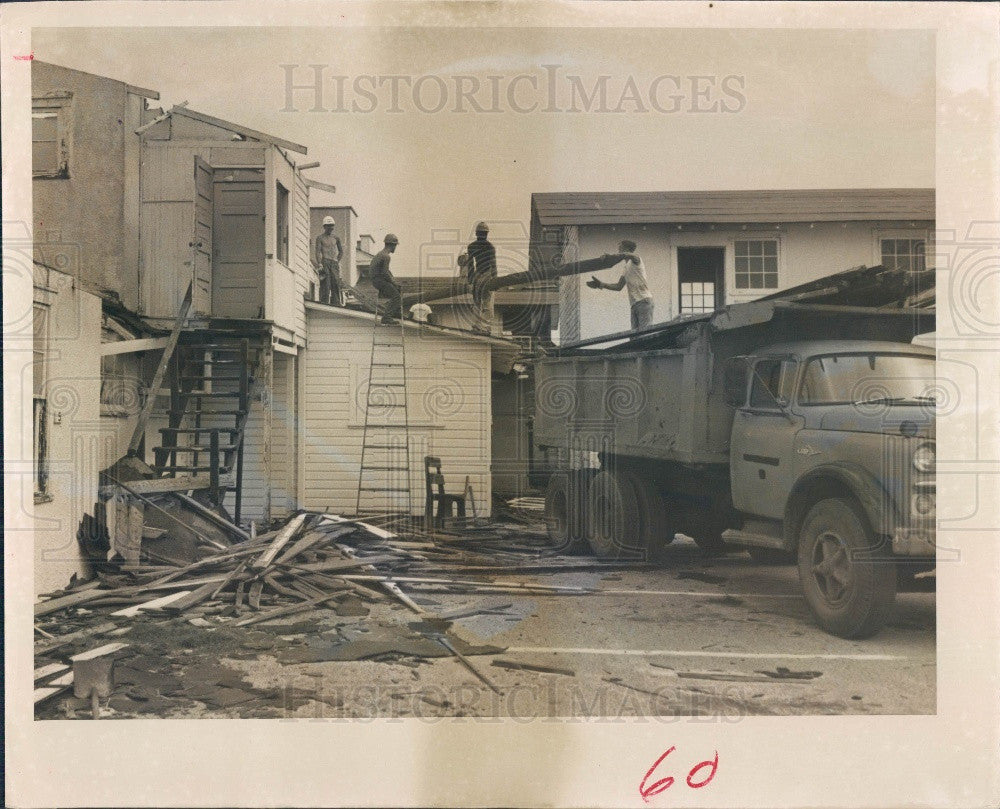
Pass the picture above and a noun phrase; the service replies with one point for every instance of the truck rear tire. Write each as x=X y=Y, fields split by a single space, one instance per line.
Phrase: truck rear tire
x=657 y=526
x=626 y=516
x=850 y=593
x=565 y=510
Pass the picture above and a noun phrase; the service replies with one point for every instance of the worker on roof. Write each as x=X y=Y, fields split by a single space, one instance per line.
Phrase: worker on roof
x=328 y=253
x=482 y=268
x=634 y=278
x=384 y=282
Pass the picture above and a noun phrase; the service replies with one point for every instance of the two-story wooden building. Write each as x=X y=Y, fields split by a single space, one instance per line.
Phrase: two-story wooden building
x=705 y=249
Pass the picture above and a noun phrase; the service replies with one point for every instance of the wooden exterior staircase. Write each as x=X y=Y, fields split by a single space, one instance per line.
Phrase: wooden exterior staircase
x=210 y=378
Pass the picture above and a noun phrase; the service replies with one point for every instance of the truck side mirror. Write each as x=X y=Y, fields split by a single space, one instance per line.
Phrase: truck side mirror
x=736 y=374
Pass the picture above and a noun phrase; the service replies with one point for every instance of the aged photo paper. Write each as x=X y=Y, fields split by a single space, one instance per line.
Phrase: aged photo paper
x=501 y=404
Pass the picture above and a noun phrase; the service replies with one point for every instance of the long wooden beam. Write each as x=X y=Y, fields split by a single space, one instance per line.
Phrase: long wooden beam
x=161 y=370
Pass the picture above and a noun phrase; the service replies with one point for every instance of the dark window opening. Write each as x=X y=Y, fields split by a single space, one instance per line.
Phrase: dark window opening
x=282 y=220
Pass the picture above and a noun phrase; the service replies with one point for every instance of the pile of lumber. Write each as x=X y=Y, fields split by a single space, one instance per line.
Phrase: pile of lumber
x=315 y=560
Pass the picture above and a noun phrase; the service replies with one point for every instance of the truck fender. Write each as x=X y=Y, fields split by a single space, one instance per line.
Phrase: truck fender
x=833 y=480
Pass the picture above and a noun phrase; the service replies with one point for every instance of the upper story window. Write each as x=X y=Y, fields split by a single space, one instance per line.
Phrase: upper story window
x=51 y=120
x=904 y=254
x=282 y=221
x=756 y=263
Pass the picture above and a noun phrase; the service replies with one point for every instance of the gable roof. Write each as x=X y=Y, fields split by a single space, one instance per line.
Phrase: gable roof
x=735 y=207
x=246 y=131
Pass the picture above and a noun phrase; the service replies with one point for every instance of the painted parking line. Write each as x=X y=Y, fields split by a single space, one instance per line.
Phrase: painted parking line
x=695 y=593
x=693 y=653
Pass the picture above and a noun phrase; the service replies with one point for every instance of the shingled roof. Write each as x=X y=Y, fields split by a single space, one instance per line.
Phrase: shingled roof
x=734 y=207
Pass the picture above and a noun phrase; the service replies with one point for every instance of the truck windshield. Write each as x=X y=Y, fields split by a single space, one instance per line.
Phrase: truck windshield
x=906 y=379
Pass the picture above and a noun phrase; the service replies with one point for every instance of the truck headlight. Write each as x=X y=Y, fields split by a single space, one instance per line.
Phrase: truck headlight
x=924 y=458
x=923 y=505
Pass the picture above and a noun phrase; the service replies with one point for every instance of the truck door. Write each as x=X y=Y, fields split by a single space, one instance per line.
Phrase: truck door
x=761 y=449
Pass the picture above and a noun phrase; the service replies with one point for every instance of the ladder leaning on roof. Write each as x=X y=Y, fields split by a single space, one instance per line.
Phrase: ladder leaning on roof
x=384 y=485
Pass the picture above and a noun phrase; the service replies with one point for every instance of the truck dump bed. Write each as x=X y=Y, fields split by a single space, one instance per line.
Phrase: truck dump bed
x=659 y=393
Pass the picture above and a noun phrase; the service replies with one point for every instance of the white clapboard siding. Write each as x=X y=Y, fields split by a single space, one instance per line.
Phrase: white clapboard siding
x=290 y=283
x=448 y=378
x=282 y=435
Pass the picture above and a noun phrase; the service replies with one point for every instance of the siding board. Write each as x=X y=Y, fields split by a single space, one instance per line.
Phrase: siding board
x=448 y=394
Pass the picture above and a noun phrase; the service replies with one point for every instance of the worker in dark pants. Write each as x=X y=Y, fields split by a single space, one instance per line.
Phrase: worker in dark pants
x=328 y=254
x=482 y=267
x=383 y=281
x=634 y=278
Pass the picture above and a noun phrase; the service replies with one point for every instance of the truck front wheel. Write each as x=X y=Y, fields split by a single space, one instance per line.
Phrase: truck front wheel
x=848 y=589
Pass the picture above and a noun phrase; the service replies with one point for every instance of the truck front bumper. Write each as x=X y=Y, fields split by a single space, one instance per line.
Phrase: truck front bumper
x=912 y=541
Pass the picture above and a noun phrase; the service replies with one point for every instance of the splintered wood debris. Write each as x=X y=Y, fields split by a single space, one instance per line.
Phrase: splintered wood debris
x=242 y=601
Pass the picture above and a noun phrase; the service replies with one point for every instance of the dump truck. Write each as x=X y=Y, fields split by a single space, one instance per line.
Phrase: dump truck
x=797 y=430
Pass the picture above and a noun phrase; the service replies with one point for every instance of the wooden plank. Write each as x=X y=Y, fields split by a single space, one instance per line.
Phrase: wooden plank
x=343 y=564
x=133 y=346
x=284 y=537
x=140 y=426
x=55 y=687
x=62 y=640
x=254 y=594
x=164 y=485
x=306 y=542
x=156 y=603
x=49 y=670
x=194 y=597
x=283 y=611
x=100 y=651
x=71 y=600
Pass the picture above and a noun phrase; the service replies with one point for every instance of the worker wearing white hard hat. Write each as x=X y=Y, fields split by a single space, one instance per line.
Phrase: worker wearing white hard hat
x=482 y=268
x=328 y=253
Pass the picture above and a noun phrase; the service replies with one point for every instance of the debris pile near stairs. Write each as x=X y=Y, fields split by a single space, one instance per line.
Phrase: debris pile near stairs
x=282 y=593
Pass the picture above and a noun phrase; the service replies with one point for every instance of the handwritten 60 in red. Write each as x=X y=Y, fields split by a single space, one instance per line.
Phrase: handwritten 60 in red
x=695 y=778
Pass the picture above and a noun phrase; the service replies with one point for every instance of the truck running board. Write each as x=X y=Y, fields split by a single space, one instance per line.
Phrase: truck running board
x=735 y=537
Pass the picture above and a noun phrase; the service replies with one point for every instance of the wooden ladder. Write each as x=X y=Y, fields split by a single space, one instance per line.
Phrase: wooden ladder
x=384 y=485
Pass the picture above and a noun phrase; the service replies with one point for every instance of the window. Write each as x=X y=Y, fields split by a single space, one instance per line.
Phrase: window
x=772 y=380
x=904 y=379
x=40 y=407
x=50 y=135
x=904 y=254
x=697 y=297
x=122 y=391
x=756 y=264
x=282 y=220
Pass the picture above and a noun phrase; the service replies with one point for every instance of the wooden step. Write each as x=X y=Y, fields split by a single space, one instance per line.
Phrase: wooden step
x=200 y=412
x=196 y=430
x=223 y=470
x=198 y=448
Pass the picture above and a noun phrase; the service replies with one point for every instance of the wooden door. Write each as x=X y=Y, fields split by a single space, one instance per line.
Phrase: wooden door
x=238 y=244
x=201 y=246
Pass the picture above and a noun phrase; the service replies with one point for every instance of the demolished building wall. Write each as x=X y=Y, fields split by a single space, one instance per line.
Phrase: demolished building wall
x=71 y=441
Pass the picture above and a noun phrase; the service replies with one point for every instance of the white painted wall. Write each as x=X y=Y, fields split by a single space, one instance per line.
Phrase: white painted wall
x=448 y=379
x=805 y=252
x=79 y=445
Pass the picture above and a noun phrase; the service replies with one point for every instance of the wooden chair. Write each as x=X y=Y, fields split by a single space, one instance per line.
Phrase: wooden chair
x=434 y=480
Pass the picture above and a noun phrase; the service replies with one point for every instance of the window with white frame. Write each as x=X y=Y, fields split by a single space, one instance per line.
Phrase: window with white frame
x=904 y=254
x=697 y=297
x=50 y=135
x=756 y=262
x=40 y=403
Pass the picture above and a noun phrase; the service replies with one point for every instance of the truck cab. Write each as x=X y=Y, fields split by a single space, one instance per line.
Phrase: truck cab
x=832 y=459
